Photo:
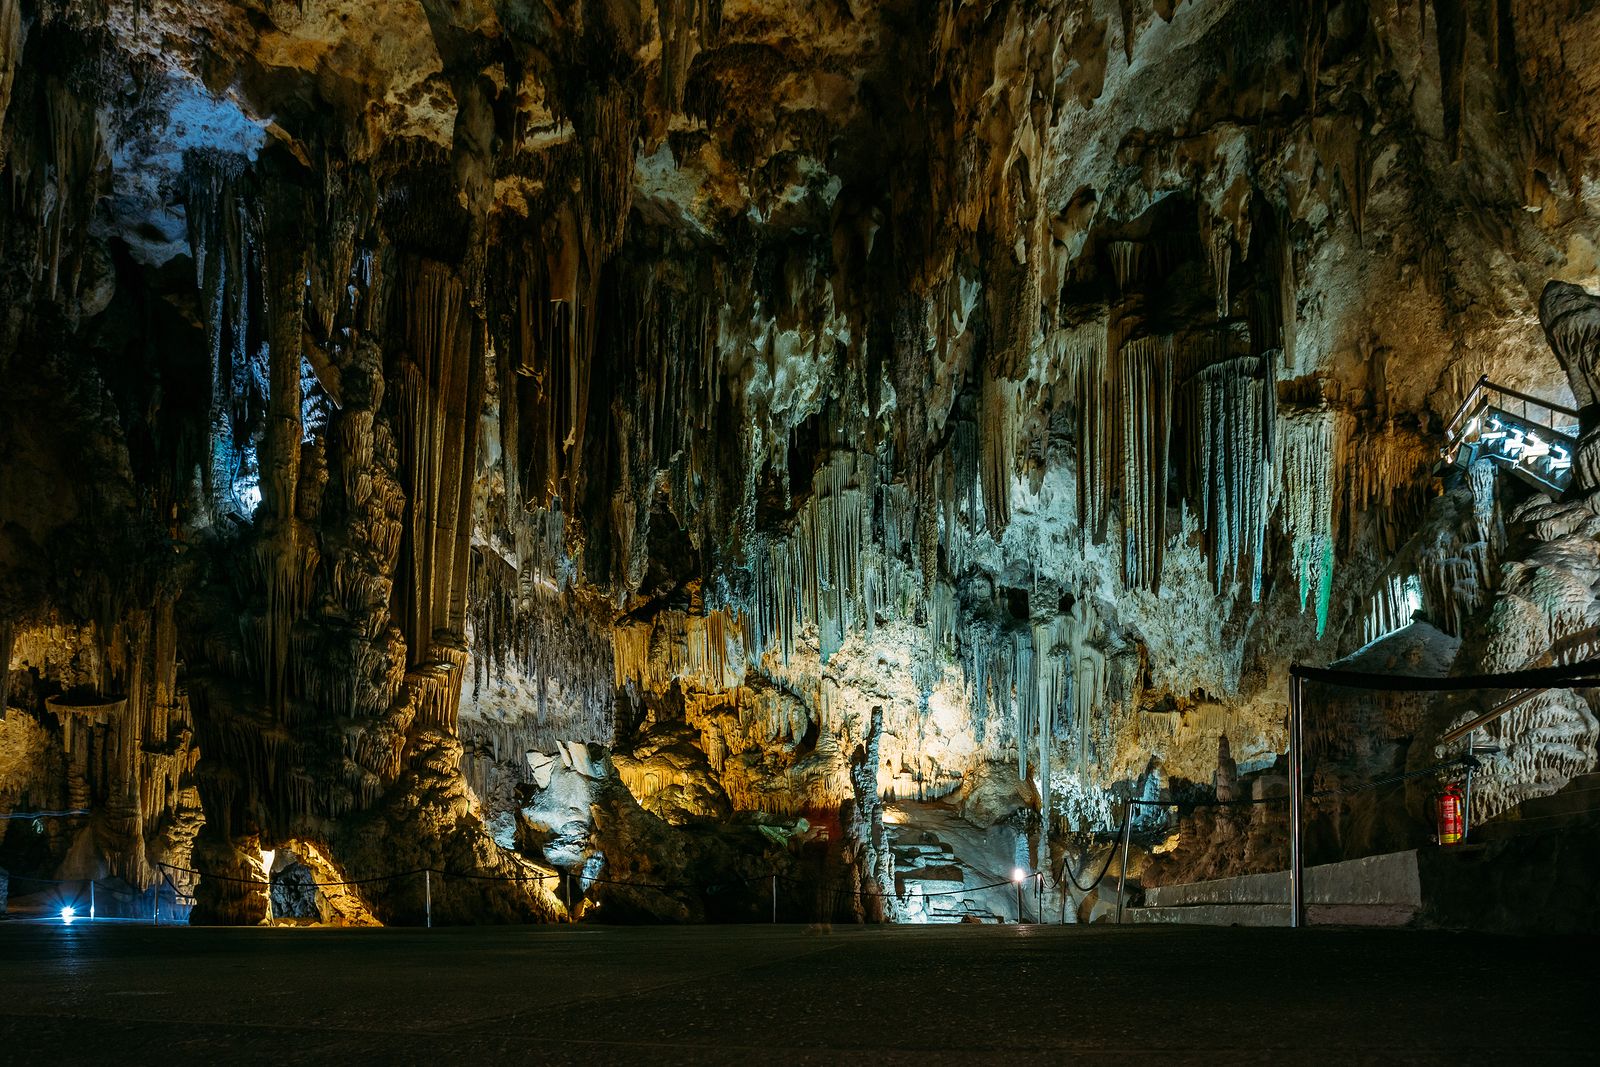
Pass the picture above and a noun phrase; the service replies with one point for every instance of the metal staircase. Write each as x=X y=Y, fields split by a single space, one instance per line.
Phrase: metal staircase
x=1532 y=438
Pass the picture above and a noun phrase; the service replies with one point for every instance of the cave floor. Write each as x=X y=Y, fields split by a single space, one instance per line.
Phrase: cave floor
x=925 y=995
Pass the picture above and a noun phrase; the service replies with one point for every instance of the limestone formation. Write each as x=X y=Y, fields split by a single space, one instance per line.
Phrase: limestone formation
x=561 y=445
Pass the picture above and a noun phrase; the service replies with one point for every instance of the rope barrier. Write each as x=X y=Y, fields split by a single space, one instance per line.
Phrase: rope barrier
x=1395 y=779
x=1377 y=783
x=1066 y=864
x=314 y=882
x=478 y=876
x=44 y=814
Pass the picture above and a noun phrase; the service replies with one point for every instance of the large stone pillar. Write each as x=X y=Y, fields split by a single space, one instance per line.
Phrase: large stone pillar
x=1571 y=320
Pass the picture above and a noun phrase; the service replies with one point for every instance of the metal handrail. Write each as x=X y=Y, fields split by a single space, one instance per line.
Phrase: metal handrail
x=1450 y=737
x=1484 y=386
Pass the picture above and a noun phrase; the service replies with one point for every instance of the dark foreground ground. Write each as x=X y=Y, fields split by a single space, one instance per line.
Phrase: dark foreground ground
x=925 y=995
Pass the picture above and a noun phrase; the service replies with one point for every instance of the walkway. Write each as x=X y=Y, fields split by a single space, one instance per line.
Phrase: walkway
x=928 y=995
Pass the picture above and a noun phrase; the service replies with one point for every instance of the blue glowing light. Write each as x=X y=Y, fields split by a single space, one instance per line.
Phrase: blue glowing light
x=67 y=914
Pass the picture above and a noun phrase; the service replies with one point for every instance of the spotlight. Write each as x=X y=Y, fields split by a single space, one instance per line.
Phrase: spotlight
x=1019 y=876
x=67 y=914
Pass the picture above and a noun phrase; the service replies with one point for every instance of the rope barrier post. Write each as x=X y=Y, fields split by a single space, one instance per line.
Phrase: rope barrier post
x=1122 y=872
x=91 y=900
x=774 y=899
x=427 y=891
x=1296 y=799
x=566 y=895
x=1466 y=802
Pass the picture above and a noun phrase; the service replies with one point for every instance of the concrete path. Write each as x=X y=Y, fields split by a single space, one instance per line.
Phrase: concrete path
x=929 y=995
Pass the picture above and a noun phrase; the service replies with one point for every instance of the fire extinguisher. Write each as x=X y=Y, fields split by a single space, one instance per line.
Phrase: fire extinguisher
x=1451 y=812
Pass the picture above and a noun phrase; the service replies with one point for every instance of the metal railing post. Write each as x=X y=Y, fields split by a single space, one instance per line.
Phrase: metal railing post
x=774 y=899
x=1122 y=874
x=1466 y=802
x=427 y=890
x=91 y=900
x=1296 y=799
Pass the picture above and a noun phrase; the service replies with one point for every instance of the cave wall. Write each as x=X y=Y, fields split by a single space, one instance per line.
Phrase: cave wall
x=394 y=398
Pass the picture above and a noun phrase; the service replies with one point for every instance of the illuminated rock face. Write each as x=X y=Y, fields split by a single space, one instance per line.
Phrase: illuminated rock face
x=394 y=396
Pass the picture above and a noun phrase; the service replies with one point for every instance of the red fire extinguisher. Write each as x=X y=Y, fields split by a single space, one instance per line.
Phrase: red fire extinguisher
x=1451 y=812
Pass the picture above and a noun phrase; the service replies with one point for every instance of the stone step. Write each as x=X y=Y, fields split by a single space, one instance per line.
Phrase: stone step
x=1274 y=914
x=1390 y=879
x=923 y=875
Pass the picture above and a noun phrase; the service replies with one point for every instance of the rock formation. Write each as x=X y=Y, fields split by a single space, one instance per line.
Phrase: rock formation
x=560 y=444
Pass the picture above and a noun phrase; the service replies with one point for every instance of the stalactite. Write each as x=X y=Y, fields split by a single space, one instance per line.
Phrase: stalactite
x=1310 y=451
x=1451 y=21
x=1216 y=237
x=1127 y=263
x=560 y=659
x=1229 y=416
x=543 y=361
x=438 y=685
x=223 y=242
x=1453 y=581
x=1341 y=145
x=439 y=397
x=11 y=41
x=998 y=425
x=608 y=126
x=7 y=640
x=1387 y=487
x=1090 y=678
x=685 y=27
x=816 y=574
x=1391 y=606
x=77 y=158
x=944 y=616
x=1096 y=431
x=285 y=570
x=1145 y=380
